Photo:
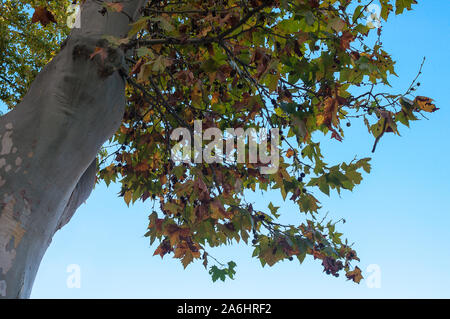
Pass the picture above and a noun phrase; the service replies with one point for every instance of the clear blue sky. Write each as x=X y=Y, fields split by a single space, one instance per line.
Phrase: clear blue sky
x=398 y=217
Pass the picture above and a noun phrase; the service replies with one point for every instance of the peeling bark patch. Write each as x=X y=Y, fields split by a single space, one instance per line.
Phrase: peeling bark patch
x=10 y=244
x=2 y=162
x=26 y=209
x=7 y=168
x=10 y=230
x=18 y=161
x=30 y=155
x=2 y=181
x=7 y=143
x=14 y=150
x=9 y=126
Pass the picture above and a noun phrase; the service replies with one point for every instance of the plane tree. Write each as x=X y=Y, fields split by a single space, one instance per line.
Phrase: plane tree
x=98 y=99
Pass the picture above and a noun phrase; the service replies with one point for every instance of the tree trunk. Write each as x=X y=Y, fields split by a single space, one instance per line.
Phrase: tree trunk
x=49 y=141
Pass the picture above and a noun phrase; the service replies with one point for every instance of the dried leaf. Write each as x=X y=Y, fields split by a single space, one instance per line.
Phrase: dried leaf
x=43 y=16
x=424 y=103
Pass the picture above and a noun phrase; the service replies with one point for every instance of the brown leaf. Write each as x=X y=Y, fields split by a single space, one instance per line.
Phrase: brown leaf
x=99 y=51
x=329 y=113
x=355 y=275
x=289 y=153
x=425 y=104
x=346 y=38
x=336 y=135
x=115 y=6
x=42 y=15
x=137 y=67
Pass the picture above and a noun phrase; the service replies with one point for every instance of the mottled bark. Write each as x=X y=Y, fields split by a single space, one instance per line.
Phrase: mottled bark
x=49 y=141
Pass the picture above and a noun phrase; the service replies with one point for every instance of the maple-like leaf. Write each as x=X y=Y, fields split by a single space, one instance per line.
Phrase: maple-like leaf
x=346 y=38
x=425 y=104
x=43 y=16
x=336 y=135
x=355 y=275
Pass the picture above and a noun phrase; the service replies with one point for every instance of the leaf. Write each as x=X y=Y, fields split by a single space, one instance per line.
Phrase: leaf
x=187 y=259
x=329 y=113
x=357 y=13
x=116 y=41
x=99 y=51
x=114 y=6
x=355 y=275
x=137 y=67
x=424 y=103
x=299 y=128
x=143 y=75
x=336 y=135
x=144 y=51
x=289 y=153
x=309 y=203
x=164 y=22
x=337 y=24
x=160 y=64
x=346 y=38
x=386 y=8
x=127 y=197
x=43 y=16
x=138 y=26
x=217 y=273
x=205 y=260
x=323 y=186
x=401 y=5
x=273 y=210
x=217 y=209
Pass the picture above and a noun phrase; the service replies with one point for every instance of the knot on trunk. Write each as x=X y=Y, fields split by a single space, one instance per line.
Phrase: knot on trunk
x=106 y=57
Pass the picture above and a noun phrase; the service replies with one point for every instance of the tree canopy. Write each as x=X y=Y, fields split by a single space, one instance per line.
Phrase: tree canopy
x=305 y=67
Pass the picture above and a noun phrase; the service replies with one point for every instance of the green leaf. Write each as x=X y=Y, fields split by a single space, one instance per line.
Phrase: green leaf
x=401 y=5
x=137 y=26
x=273 y=210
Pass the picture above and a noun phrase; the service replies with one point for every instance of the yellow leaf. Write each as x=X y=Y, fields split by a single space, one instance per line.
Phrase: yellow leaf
x=138 y=26
x=215 y=98
x=187 y=259
x=127 y=197
x=320 y=119
x=424 y=103
x=196 y=94
x=355 y=275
